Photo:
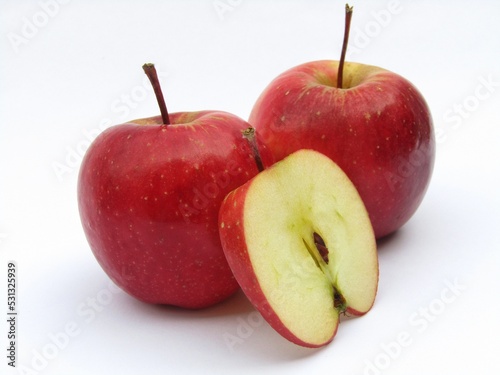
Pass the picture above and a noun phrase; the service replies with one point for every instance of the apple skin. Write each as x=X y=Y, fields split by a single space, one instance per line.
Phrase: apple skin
x=378 y=129
x=149 y=196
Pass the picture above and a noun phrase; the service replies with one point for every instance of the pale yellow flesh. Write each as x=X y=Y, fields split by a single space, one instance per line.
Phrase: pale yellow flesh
x=306 y=193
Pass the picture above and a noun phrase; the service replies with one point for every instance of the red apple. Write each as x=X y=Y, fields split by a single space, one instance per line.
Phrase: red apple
x=149 y=193
x=300 y=243
x=373 y=123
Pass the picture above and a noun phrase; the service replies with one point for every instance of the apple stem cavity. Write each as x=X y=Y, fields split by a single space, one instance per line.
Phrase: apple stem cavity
x=150 y=71
x=348 y=17
x=249 y=135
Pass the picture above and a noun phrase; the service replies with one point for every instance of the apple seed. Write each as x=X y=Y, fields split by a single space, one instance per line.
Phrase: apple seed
x=321 y=246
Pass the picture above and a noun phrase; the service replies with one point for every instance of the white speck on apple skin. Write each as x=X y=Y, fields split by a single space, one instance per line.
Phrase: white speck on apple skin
x=222 y=225
x=282 y=118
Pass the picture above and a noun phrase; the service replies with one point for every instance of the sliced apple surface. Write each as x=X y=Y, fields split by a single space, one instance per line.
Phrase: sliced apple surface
x=300 y=244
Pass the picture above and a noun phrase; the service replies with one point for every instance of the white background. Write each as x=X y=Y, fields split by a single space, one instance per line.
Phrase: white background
x=71 y=69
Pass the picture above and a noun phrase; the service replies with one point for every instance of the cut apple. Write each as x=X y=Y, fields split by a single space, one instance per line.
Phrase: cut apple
x=300 y=244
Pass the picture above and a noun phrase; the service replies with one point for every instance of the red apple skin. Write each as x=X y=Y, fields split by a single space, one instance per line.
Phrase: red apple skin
x=379 y=131
x=233 y=241
x=149 y=197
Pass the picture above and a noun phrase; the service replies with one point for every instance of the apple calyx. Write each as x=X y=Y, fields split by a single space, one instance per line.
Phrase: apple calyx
x=249 y=135
x=150 y=71
x=348 y=17
x=339 y=302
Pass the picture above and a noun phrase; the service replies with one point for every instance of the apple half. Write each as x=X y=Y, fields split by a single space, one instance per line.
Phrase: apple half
x=300 y=244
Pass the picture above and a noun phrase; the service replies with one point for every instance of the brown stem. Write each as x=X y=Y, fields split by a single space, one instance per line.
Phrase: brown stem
x=150 y=71
x=348 y=16
x=249 y=135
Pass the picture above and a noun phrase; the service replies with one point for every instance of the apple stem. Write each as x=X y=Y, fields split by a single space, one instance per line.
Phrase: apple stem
x=249 y=135
x=150 y=71
x=348 y=17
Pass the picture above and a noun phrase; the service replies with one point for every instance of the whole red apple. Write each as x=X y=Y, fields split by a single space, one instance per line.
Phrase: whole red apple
x=149 y=193
x=373 y=123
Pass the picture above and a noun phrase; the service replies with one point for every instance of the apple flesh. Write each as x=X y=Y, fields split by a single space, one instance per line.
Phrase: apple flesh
x=377 y=128
x=300 y=243
x=149 y=197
